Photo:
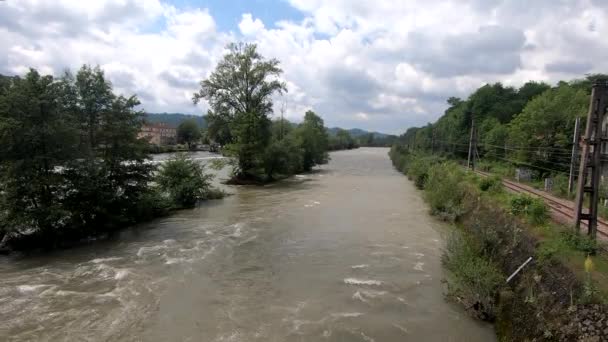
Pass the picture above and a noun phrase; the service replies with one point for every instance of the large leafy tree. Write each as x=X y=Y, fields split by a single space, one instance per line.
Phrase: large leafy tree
x=314 y=138
x=111 y=174
x=37 y=138
x=542 y=134
x=239 y=92
x=188 y=132
x=72 y=164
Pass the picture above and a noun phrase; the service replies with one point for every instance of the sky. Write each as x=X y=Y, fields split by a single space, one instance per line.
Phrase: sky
x=380 y=65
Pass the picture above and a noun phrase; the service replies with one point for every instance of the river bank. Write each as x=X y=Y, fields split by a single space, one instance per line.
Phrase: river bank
x=347 y=253
x=552 y=298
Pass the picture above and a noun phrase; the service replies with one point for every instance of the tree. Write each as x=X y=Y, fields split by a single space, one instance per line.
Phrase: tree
x=542 y=134
x=314 y=138
x=284 y=157
x=36 y=138
x=188 y=132
x=239 y=92
x=110 y=174
x=72 y=164
x=184 y=180
x=218 y=129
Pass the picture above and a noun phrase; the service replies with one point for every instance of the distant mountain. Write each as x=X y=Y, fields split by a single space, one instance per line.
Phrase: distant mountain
x=174 y=119
x=356 y=132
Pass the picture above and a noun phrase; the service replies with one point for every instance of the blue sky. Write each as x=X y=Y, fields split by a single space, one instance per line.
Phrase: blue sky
x=380 y=65
x=227 y=13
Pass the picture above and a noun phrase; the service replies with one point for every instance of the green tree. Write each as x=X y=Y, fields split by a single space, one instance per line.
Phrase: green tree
x=72 y=164
x=184 y=181
x=37 y=138
x=314 y=139
x=188 y=132
x=218 y=129
x=284 y=157
x=542 y=134
x=239 y=92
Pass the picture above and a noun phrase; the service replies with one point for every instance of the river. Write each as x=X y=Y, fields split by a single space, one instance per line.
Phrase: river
x=347 y=253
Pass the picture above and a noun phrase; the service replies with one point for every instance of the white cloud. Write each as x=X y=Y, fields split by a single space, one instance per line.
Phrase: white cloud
x=382 y=65
x=249 y=26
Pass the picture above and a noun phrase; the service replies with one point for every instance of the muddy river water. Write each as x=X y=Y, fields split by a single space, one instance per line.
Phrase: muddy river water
x=347 y=253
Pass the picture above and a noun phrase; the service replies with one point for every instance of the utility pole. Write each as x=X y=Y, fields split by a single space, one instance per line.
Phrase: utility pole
x=472 y=146
x=589 y=168
x=575 y=141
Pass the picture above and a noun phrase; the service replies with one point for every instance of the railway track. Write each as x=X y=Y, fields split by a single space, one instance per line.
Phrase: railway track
x=557 y=205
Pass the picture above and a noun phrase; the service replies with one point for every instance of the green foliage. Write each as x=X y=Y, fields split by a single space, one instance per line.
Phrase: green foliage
x=184 y=181
x=545 y=127
x=472 y=276
x=313 y=137
x=444 y=190
x=560 y=186
x=579 y=242
x=72 y=165
x=533 y=208
x=491 y=184
x=283 y=157
x=263 y=149
x=188 y=132
x=342 y=140
x=245 y=72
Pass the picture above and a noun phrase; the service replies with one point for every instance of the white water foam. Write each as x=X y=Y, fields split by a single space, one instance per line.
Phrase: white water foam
x=28 y=289
x=346 y=314
x=237 y=232
x=355 y=281
x=418 y=266
x=401 y=328
x=147 y=250
x=367 y=338
x=100 y=260
x=364 y=295
x=358 y=296
x=356 y=267
x=121 y=273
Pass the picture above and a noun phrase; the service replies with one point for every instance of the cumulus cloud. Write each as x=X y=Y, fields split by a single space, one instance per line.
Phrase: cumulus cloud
x=383 y=65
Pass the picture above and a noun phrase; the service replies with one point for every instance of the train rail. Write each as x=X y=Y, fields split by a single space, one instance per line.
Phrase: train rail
x=560 y=206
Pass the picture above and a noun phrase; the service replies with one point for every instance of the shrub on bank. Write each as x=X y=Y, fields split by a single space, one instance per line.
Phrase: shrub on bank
x=491 y=184
x=534 y=209
x=444 y=190
x=184 y=182
x=474 y=280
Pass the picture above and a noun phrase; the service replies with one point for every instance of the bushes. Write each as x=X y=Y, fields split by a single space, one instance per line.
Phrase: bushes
x=444 y=183
x=473 y=278
x=444 y=190
x=184 y=182
x=532 y=208
x=419 y=167
x=560 y=186
x=490 y=184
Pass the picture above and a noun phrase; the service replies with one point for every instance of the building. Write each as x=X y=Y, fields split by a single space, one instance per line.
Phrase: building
x=158 y=133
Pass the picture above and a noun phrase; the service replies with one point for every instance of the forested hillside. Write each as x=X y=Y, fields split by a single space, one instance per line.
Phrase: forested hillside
x=174 y=119
x=531 y=125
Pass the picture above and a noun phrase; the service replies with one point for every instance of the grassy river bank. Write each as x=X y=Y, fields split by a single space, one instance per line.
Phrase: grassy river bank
x=559 y=296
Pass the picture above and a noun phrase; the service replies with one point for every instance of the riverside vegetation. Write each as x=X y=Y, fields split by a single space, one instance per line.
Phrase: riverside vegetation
x=72 y=166
x=554 y=298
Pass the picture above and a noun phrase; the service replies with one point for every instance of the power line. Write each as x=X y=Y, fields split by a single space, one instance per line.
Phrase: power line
x=531 y=165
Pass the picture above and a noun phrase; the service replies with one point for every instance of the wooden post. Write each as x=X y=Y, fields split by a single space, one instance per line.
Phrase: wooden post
x=472 y=147
x=589 y=167
x=575 y=141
